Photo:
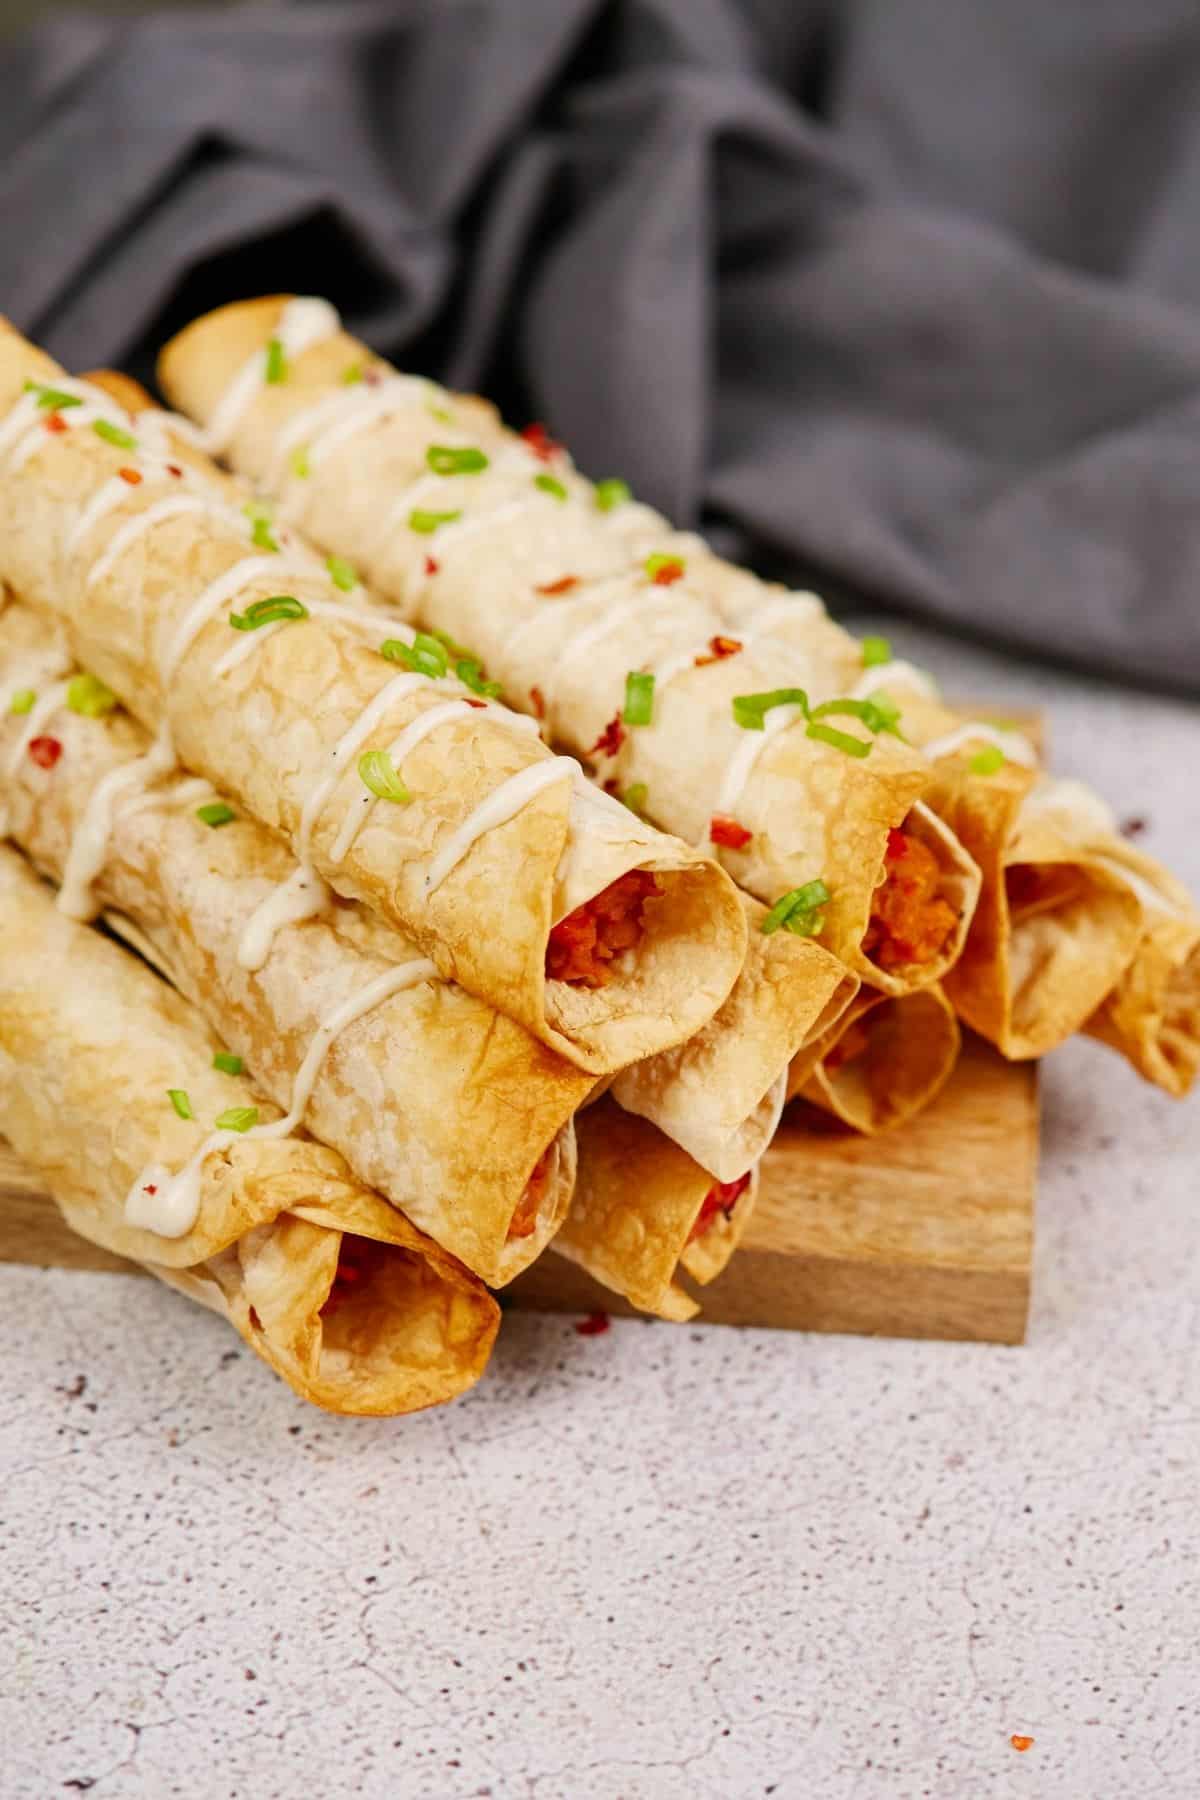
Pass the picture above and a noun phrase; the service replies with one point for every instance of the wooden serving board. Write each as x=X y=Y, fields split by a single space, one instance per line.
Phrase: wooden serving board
x=927 y=1233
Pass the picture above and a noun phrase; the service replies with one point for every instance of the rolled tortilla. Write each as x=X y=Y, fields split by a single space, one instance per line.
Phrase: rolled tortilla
x=500 y=544
x=357 y=1310
x=498 y=847
x=720 y=1095
x=643 y=1212
x=453 y=1112
x=882 y=1062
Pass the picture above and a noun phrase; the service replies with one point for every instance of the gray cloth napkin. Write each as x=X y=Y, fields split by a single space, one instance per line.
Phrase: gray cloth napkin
x=900 y=301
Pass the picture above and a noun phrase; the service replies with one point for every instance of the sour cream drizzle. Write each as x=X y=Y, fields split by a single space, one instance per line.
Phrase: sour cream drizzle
x=89 y=845
x=303 y=323
x=302 y=896
x=1014 y=746
x=502 y=804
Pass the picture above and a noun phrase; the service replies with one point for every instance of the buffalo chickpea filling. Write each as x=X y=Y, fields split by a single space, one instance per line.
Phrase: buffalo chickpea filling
x=719 y=1202
x=358 y=1260
x=583 y=947
x=910 y=921
x=523 y=1223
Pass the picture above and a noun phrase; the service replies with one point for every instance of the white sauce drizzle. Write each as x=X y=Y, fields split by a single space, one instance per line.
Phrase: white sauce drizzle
x=89 y=843
x=893 y=675
x=38 y=436
x=362 y=806
x=172 y=1210
x=303 y=323
x=302 y=896
x=1016 y=748
x=344 y=749
x=172 y=506
x=218 y=593
x=501 y=805
x=741 y=763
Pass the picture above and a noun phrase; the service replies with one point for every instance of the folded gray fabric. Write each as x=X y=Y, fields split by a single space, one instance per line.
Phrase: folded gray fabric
x=903 y=302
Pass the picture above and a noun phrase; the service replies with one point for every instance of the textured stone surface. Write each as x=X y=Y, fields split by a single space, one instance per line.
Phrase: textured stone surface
x=663 y=1562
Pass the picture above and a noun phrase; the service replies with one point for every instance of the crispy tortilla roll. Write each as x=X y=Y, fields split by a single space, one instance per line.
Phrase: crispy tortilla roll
x=883 y=1061
x=453 y=1112
x=643 y=1211
x=721 y=1094
x=99 y=1063
x=382 y=759
x=498 y=542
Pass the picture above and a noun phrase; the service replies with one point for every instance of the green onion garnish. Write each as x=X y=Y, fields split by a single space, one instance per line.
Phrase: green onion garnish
x=448 y=643
x=88 y=695
x=888 y=711
x=878 y=714
x=299 y=464
x=443 y=459
x=265 y=612
x=342 y=574
x=840 y=740
x=52 y=399
x=986 y=762
x=377 y=772
x=237 y=1118
x=22 y=701
x=439 y=413
x=277 y=368
x=613 y=492
x=181 y=1103
x=657 y=564
x=228 y=1065
x=635 y=798
x=799 y=911
x=214 y=813
x=875 y=652
x=470 y=672
x=425 y=656
x=639 y=698
x=550 y=484
x=261 y=537
x=113 y=434
x=750 y=710
x=353 y=372
x=425 y=522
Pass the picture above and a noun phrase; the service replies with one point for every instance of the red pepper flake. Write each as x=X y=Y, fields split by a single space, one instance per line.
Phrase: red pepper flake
x=431 y=566
x=150 y=1187
x=174 y=469
x=718 y=649
x=132 y=476
x=482 y=703
x=897 y=846
x=45 y=751
x=1021 y=1743
x=538 y=702
x=610 y=739
x=544 y=447
x=563 y=585
x=721 y=1198
x=55 y=422
x=595 y=1325
x=728 y=833
x=668 y=571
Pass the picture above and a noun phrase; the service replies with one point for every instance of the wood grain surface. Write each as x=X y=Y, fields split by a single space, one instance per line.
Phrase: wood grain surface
x=927 y=1233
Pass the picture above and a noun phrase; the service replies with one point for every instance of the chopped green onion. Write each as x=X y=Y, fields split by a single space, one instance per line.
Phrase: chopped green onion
x=425 y=522
x=448 y=643
x=277 y=367
x=840 y=740
x=22 y=701
x=639 y=698
x=228 y=1065
x=799 y=911
x=656 y=564
x=425 y=656
x=261 y=537
x=878 y=714
x=875 y=652
x=611 y=493
x=888 y=711
x=986 y=762
x=181 y=1103
x=342 y=574
x=299 y=464
x=635 y=797
x=550 y=484
x=214 y=813
x=266 y=612
x=88 y=695
x=750 y=710
x=443 y=459
x=237 y=1118
x=52 y=399
x=113 y=434
x=439 y=413
x=352 y=373
x=377 y=772
x=470 y=672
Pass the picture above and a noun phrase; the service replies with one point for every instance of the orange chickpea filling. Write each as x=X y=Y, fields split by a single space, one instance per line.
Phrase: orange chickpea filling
x=583 y=947
x=910 y=921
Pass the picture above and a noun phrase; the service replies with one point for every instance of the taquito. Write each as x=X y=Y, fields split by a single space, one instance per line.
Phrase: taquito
x=643 y=1212
x=451 y=1111
x=498 y=542
x=109 y=1090
x=413 y=792
x=882 y=1062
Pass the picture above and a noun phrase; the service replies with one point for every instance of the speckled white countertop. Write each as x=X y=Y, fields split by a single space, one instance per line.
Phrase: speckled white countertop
x=664 y=1562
